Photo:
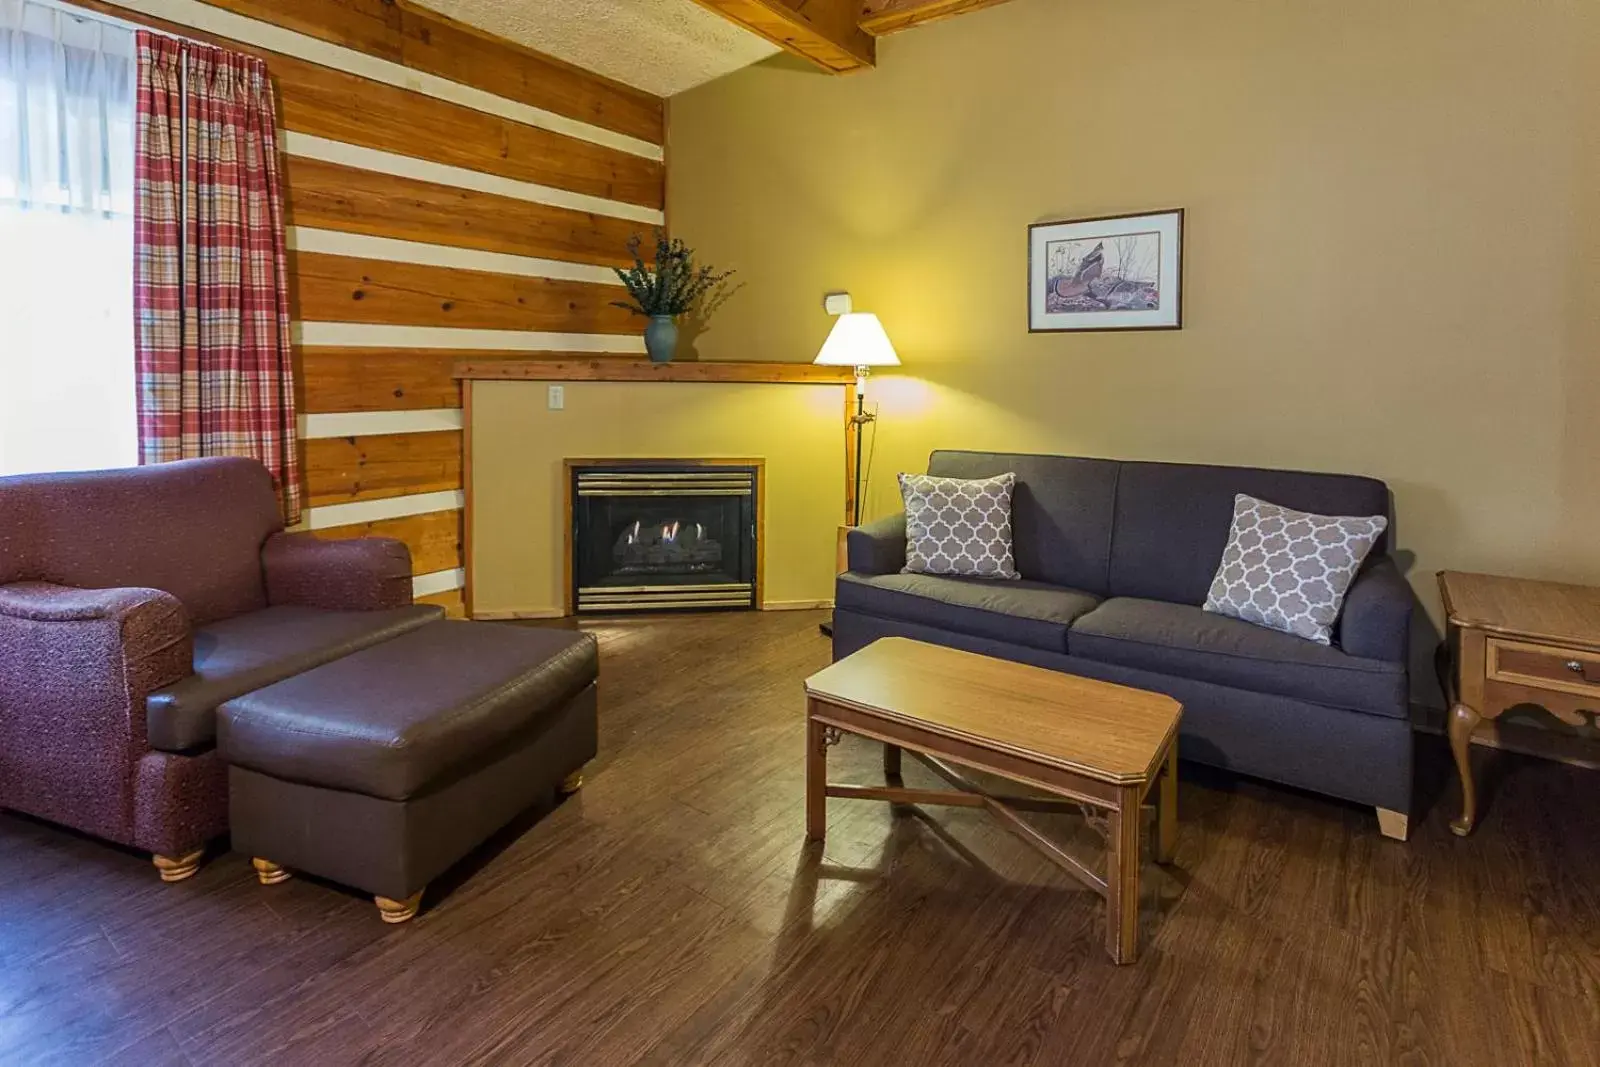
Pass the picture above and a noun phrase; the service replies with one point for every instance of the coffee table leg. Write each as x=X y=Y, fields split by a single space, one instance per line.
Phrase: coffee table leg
x=816 y=780
x=1122 y=878
x=1167 y=807
x=891 y=761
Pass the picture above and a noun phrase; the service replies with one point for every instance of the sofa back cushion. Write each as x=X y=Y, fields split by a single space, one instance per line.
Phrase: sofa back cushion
x=1173 y=519
x=193 y=529
x=1150 y=530
x=1061 y=512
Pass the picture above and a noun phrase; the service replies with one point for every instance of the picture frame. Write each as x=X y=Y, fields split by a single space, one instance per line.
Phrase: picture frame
x=1110 y=272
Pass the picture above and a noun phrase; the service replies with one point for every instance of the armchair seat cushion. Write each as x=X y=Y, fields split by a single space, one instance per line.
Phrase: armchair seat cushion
x=1021 y=612
x=1188 y=642
x=239 y=655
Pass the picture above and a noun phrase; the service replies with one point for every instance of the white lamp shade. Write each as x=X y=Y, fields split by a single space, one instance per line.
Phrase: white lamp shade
x=857 y=340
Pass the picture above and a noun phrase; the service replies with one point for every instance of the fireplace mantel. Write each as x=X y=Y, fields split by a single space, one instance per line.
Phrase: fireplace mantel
x=638 y=370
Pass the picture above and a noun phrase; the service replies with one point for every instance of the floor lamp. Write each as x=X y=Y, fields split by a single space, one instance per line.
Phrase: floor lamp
x=857 y=340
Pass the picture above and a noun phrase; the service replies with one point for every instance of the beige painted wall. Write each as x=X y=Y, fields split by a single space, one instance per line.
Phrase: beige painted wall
x=518 y=491
x=1393 y=245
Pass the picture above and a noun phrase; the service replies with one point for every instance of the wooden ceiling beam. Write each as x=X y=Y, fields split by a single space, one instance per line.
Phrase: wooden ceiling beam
x=879 y=17
x=822 y=31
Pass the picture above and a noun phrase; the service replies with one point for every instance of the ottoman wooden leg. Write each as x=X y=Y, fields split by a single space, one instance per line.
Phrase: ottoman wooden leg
x=177 y=868
x=269 y=873
x=571 y=783
x=398 y=911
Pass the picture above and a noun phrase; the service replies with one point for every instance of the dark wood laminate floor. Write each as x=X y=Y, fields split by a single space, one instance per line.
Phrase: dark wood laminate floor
x=670 y=913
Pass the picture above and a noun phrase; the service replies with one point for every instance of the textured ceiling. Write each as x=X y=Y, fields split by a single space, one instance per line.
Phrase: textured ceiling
x=660 y=46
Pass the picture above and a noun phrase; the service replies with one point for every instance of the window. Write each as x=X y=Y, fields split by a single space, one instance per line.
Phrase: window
x=67 y=398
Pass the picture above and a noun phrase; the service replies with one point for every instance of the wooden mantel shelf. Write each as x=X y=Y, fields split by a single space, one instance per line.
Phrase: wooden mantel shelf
x=638 y=370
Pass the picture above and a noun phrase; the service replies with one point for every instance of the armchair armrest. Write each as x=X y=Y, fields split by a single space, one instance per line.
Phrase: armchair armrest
x=359 y=574
x=76 y=666
x=1376 y=620
x=878 y=547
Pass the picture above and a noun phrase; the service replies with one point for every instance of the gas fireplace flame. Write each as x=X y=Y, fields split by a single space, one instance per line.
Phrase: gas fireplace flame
x=669 y=531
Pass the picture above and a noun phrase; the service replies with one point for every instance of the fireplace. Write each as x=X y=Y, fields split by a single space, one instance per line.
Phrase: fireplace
x=667 y=535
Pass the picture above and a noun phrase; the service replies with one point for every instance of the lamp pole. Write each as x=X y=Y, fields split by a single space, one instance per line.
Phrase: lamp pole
x=859 y=420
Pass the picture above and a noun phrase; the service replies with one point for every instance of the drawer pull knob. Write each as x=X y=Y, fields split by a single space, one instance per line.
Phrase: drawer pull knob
x=1575 y=666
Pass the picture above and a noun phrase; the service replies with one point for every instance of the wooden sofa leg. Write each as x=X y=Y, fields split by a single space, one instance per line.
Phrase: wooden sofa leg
x=398 y=911
x=269 y=873
x=177 y=868
x=572 y=783
x=1395 y=824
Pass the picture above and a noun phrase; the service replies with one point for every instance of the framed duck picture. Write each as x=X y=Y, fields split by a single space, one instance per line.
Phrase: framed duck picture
x=1118 y=272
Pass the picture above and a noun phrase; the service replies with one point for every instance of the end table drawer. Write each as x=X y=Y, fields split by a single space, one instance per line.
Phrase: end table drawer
x=1565 y=670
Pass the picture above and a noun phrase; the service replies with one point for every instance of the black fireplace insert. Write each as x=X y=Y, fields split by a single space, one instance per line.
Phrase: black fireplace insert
x=663 y=536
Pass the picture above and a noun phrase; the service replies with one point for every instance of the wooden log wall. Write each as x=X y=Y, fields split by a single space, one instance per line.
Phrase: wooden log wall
x=450 y=195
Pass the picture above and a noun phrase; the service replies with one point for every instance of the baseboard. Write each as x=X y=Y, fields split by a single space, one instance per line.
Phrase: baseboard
x=1559 y=745
x=511 y=616
x=795 y=605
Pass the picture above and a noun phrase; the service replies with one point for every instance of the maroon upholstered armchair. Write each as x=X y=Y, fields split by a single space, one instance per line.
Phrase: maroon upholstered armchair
x=133 y=603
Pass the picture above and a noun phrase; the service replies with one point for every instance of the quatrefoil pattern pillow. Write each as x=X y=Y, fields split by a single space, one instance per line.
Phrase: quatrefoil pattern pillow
x=957 y=526
x=1289 y=570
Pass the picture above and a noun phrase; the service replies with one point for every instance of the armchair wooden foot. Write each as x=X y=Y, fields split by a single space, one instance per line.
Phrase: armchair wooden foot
x=398 y=911
x=269 y=873
x=177 y=868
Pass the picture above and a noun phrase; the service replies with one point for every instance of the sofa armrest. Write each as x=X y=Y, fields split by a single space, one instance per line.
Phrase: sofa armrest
x=878 y=547
x=358 y=574
x=1376 y=621
x=76 y=666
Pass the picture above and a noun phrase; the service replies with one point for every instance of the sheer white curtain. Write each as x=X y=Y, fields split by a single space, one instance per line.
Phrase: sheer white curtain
x=67 y=397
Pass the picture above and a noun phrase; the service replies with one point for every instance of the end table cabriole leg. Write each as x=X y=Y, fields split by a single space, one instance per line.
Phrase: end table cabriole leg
x=1463 y=720
x=1122 y=878
x=816 y=776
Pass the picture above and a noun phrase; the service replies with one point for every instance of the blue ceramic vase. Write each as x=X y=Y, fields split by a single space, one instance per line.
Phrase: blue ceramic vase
x=661 y=338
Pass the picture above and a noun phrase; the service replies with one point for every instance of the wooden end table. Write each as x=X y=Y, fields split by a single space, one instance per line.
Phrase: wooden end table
x=1514 y=641
x=1099 y=747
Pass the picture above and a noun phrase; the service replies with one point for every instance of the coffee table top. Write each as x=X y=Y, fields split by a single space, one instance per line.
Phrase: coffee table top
x=1108 y=732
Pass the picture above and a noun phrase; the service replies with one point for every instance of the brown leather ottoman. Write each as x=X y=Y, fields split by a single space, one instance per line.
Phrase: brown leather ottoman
x=382 y=769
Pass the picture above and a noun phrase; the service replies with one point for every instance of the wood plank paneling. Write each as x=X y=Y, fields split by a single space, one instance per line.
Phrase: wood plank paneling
x=345 y=107
x=370 y=26
x=347 y=289
x=442 y=46
x=428 y=41
x=434 y=539
x=342 y=469
x=452 y=601
x=333 y=197
x=397 y=379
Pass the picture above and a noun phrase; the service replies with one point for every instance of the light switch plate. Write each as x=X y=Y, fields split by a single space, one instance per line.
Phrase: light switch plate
x=836 y=303
x=557 y=397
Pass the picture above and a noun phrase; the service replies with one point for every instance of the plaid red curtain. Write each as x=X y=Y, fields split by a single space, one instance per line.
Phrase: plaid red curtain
x=211 y=297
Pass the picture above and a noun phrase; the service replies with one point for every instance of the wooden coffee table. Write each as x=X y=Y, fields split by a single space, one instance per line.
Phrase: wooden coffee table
x=1097 y=746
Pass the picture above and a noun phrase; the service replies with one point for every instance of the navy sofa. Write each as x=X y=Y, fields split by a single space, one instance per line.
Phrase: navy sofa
x=1116 y=559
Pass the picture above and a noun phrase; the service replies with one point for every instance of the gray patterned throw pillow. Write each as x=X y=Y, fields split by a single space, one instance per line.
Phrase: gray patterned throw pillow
x=958 y=526
x=1289 y=570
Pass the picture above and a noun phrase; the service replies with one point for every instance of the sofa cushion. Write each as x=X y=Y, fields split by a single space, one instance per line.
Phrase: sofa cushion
x=413 y=713
x=1023 y=612
x=250 y=651
x=1185 y=641
x=1060 y=512
x=1173 y=519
